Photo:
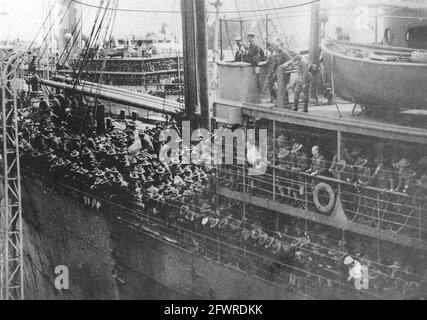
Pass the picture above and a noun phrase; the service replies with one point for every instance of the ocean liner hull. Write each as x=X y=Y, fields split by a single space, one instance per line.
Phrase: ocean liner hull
x=108 y=258
x=372 y=82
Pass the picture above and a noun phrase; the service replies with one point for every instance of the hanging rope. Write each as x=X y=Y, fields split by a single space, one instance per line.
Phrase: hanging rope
x=229 y=38
x=50 y=30
x=42 y=26
x=240 y=18
x=75 y=38
x=178 y=12
x=90 y=43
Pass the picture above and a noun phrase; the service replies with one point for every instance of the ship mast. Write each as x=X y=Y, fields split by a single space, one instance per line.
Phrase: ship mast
x=195 y=59
x=217 y=4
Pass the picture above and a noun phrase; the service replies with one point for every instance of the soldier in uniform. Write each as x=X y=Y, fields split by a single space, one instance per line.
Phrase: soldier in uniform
x=254 y=54
x=240 y=50
x=283 y=160
x=305 y=76
x=406 y=178
x=277 y=73
x=299 y=159
x=299 y=163
x=382 y=177
x=318 y=163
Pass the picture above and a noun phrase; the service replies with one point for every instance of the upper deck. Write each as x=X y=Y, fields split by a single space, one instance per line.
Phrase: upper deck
x=338 y=129
x=238 y=97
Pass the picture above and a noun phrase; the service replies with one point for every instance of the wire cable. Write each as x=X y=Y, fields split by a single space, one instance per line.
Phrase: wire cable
x=171 y=11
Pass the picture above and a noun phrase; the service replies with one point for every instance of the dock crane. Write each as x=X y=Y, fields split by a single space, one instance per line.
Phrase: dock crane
x=11 y=237
x=11 y=223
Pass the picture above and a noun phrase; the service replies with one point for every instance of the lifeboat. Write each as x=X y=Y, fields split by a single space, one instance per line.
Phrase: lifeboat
x=377 y=75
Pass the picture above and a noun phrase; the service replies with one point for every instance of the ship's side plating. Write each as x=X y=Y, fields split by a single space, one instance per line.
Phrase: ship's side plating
x=111 y=257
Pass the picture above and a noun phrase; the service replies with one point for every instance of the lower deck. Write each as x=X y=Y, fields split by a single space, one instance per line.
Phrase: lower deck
x=347 y=117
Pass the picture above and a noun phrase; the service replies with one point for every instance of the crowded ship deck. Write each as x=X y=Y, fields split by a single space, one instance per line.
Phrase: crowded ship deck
x=268 y=226
x=301 y=199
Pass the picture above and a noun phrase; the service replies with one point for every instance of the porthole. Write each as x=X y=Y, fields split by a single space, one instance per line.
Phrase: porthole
x=388 y=36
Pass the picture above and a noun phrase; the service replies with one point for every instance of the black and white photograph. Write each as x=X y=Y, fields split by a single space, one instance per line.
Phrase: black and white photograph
x=213 y=155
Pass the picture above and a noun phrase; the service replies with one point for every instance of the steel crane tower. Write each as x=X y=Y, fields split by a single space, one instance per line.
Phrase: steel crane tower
x=11 y=241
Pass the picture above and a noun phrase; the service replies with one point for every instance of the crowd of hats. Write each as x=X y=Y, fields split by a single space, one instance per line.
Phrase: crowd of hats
x=103 y=165
x=151 y=65
x=136 y=80
x=309 y=254
x=357 y=165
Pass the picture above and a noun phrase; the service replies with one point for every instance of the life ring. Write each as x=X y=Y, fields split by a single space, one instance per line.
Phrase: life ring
x=152 y=69
x=169 y=66
x=322 y=186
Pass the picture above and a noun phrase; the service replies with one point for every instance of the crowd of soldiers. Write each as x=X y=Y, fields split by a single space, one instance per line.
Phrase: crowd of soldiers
x=397 y=175
x=135 y=65
x=120 y=165
x=281 y=64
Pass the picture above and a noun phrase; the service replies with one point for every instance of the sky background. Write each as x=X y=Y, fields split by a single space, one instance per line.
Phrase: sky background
x=25 y=17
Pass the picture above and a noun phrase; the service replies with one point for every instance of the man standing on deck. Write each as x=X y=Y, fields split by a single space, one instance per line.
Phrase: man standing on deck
x=299 y=163
x=318 y=163
x=240 y=50
x=305 y=78
x=283 y=77
x=254 y=54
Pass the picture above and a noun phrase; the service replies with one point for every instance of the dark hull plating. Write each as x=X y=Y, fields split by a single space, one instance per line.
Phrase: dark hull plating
x=108 y=259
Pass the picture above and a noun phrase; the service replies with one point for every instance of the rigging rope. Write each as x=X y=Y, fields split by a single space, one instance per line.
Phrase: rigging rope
x=75 y=38
x=171 y=11
x=91 y=42
x=50 y=30
x=42 y=26
x=240 y=18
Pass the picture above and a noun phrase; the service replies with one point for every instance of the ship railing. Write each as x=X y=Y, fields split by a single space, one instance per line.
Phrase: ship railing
x=227 y=247
x=386 y=210
x=216 y=246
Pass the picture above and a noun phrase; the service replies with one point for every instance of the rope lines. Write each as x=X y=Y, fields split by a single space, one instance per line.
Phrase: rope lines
x=171 y=11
